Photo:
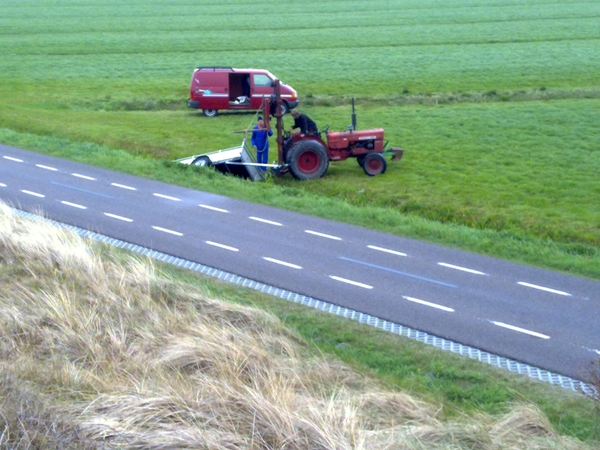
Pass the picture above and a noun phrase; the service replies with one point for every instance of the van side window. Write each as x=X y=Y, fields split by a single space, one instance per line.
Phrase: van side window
x=262 y=80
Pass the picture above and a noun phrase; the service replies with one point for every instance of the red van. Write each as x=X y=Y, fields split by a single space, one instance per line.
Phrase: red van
x=216 y=88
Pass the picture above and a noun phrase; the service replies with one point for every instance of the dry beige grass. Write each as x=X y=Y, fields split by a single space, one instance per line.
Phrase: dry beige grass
x=99 y=351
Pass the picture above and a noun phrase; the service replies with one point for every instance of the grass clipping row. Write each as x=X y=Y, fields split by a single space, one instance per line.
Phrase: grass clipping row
x=99 y=351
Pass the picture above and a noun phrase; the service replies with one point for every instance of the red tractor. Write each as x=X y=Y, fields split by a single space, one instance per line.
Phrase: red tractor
x=307 y=156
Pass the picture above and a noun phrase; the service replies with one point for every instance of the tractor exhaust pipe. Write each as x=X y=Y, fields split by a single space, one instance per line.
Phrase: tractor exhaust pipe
x=353 y=116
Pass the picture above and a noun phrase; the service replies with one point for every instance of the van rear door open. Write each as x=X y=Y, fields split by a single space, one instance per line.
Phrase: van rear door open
x=239 y=87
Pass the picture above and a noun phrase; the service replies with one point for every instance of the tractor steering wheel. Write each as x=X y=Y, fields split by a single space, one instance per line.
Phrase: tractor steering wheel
x=326 y=129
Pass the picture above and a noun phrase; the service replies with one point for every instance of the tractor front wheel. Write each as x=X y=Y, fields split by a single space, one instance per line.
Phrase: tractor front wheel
x=374 y=164
x=308 y=160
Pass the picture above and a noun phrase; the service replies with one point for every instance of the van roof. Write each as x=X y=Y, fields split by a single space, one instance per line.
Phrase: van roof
x=231 y=69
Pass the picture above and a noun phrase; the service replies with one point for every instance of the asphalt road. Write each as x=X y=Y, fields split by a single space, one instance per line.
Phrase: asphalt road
x=543 y=318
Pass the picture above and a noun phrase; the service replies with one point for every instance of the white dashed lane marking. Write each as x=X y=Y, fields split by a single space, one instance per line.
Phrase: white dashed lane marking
x=386 y=250
x=74 y=205
x=328 y=236
x=226 y=247
x=464 y=269
x=270 y=222
x=542 y=288
x=123 y=186
x=432 y=305
x=353 y=283
x=10 y=158
x=53 y=169
x=166 y=230
x=168 y=197
x=282 y=263
x=85 y=177
x=521 y=330
x=212 y=208
x=114 y=216
x=35 y=194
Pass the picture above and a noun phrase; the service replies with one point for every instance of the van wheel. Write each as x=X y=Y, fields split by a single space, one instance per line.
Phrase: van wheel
x=210 y=112
x=284 y=108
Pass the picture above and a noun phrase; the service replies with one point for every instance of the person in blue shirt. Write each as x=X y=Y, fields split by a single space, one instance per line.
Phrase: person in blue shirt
x=260 y=142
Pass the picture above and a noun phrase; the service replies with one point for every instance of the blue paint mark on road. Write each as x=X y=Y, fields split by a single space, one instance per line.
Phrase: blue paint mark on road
x=81 y=190
x=387 y=269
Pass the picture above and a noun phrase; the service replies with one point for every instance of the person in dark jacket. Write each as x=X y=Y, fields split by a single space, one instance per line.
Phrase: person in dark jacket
x=305 y=123
x=260 y=142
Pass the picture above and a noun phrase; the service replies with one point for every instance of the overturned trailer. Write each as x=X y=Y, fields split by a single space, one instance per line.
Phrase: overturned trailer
x=239 y=161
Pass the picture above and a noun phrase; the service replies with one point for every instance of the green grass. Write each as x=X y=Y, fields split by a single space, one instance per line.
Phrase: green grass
x=496 y=104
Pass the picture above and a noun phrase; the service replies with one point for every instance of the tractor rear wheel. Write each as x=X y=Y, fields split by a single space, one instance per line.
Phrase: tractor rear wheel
x=374 y=164
x=308 y=160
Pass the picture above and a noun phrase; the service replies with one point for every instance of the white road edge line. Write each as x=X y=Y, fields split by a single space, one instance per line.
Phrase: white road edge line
x=423 y=302
x=328 y=236
x=122 y=186
x=74 y=205
x=85 y=177
x=33 y=193
x=168 y=197
x=521 y=330
x=593 y=350
x=226 y=247
x=46 y=167
x=386 y=250
x=270 y=222
x=464 y=269
x=353 y=283
x=166 y=230
x=542 y=288
x=10 y=158
x=213 y=208
x=114 y=216
x=283 y=263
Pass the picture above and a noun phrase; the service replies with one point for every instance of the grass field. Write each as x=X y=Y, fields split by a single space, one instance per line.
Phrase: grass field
x=496 y=104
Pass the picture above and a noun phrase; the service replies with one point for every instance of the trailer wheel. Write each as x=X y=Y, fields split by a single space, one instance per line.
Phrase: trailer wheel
x=210 y=112
x=308 y=160
x=374 y=164
x=202 y=161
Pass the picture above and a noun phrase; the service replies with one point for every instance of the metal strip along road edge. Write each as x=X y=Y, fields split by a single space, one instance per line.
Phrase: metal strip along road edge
x=426 y=338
